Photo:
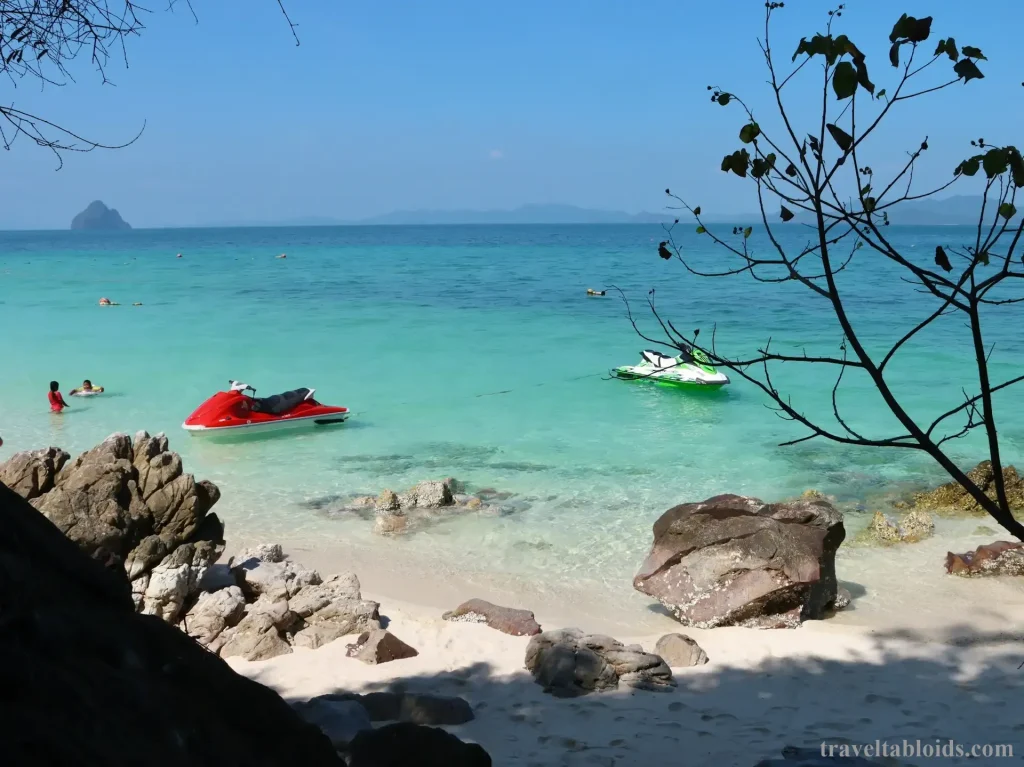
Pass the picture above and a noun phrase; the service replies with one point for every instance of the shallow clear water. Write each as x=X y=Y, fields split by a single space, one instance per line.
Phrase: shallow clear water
x=465 y=351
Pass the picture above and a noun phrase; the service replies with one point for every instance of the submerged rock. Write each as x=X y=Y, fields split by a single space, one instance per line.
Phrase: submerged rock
x=733 y=560
x=914 y=526
x=568 y=663
x=999 y=558
x=507 y=620
x=951 y=498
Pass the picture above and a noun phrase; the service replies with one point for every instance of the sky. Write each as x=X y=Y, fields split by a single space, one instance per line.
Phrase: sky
x=461 y=104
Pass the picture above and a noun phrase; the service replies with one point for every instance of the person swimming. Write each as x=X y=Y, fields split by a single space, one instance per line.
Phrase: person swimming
x=86 y=390
x=57 y=403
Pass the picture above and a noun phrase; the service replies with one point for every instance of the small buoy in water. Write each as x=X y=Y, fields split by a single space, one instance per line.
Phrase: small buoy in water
x=592 y=292
x=283 y=255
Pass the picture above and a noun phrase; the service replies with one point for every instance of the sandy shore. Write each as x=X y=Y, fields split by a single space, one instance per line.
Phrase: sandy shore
x=937 y=662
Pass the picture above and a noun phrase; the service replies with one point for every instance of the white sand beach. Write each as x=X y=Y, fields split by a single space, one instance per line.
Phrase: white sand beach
x=938 y=664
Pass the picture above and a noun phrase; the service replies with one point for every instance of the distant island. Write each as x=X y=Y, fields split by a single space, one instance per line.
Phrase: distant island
x=99 y=217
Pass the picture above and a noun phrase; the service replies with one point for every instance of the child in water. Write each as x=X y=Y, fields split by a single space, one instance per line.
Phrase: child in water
x=57 y=402
x=86 y=390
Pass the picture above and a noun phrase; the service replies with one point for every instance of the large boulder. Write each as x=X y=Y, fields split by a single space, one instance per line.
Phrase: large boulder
x=418 y=708
x=999 y=558
x=734 y=560
x=680 y=651
x=403 y=744
x=380 y=646
x=129 y=506
x=98 y=683
x=568 y=663
x=952 y=498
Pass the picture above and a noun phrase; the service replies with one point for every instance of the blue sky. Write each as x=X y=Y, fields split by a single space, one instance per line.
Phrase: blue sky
x=401 y=104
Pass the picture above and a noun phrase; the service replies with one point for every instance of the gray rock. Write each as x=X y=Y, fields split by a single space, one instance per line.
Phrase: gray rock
x=843 y=598
x=380 y=646
x=217 y=577
x=277 y=580
x=213 y=613
x=337 y=606
x=508 y=620
x=387 y=501
x=340 y=720
x=429 y=495
x=420 y=708
x=264 y=552
x=680 y=651
x=733 y=560
x=254 y=638
x=404 y=743
x=277 y=610
x=33 y=472
x=568 y=663
x=315 y=637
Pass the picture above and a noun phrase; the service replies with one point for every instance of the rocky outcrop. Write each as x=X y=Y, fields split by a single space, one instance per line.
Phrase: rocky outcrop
x=914 y=526
x=951 y=498
x=379 y=646
x=418 y=708
x=680 y=651
x=402 y=744
x=99 y=217
x=507 y=620
x=131 y=506
x=278 y=604
x=568 y=663
x=999 y=558
x=98 y=683
x=734 y=560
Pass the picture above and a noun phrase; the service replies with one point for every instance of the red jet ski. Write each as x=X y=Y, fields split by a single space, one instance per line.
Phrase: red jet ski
x=236 y=412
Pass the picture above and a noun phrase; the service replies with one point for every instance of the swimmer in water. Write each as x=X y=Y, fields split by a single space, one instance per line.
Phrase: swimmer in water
x=57 y=403
x=87 y=389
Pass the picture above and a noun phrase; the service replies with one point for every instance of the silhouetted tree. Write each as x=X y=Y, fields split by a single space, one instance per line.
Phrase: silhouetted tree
x=822 y=175
x=38 y=41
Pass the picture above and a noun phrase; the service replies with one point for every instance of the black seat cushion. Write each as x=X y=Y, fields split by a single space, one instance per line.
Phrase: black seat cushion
x=279 y=403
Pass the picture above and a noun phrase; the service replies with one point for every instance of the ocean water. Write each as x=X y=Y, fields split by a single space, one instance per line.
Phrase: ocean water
x=471 y=352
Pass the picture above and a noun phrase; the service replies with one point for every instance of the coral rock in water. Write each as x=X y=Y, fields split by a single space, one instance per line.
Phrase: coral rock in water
x=951 y=497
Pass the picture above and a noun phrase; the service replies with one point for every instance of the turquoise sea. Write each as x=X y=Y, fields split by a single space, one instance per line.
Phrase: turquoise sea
x=472 y=352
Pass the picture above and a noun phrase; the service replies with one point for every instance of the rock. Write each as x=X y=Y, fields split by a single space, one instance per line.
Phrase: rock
x=218 y=577
x=264 y=552
x=98 y=216
x=387 y=501
x=336 y=604
x=916 y=526
x=403 y=744
x=812 y=757
x=568 y=663
x=680 y=651
x=507 y=620
x=277 y=580
x=339 y=720
x=474 y=503
x=843 y=598
x=389 y=523
x=130 y=506
x=999 y=558
x=430 y=495
x=884 y=529
x=419 y=708
x=733 y=560
x=254 y=638
x=952 y=498
x=213 y=613
x=32 y=473
x=380 y=646
x=278 y=611
x=98 y=683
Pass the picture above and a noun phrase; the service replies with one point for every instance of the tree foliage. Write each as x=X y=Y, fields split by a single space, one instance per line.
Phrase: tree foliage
x=823 y=176
x=39 y=39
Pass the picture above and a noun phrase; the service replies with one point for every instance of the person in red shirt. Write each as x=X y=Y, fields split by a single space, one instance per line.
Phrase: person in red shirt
x=57 y=402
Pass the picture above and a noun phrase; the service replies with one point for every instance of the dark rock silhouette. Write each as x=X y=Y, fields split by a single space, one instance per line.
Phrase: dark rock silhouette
x=99 y=217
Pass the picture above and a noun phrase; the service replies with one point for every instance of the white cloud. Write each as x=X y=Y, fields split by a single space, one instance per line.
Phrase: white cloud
x=496 y=154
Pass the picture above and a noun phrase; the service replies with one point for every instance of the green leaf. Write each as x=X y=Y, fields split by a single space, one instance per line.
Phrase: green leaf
x=865 y=191
x=749 y=132
x=737 y=162
x=701 y=230
x=817 y=45
x=951 y=50
x=983 y=257
x=968 y=167
x=843 y=139
x=663 y=251
x=1007 y=211
x=869 y=204
x=862 y=77
x=747 y=232
x=696 y=211
x=894 y=54
x=911 y=29
x=723 y=99
x=1016 y=166
x=844 y=80
x=786 y=213
x=791 y=170
x=971 y=52
x=995 y=162
x=968 y=70
x=880 y=94
x=942 y=260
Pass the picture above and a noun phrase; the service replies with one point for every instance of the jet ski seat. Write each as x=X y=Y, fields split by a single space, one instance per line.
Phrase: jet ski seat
x=658 y=359
x=280 y=403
